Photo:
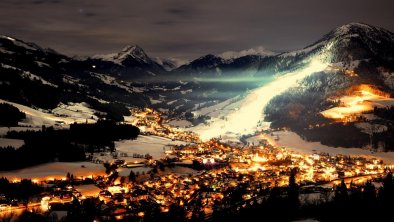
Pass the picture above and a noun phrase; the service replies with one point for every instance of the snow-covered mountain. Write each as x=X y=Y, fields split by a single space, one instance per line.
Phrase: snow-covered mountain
x=132 y=78
x=358 y=41
x=361 y=63
x=351 y=42
x=131 y=63
x=129 y=54
x=43 y=78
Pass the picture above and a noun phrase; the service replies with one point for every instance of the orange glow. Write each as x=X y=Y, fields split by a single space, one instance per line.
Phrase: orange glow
x=350 y=73
x=359 y=99
x=259 y=159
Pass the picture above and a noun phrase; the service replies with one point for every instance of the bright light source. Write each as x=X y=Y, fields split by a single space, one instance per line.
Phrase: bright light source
x=361 y=99
x=245 y=119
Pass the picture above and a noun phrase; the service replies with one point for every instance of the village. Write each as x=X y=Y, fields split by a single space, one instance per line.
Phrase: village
x=221 y=174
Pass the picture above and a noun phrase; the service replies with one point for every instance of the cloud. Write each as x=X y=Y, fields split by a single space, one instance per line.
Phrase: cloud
x=165 y=23
x=182 y=28
x=45 y=1
x=176 y=11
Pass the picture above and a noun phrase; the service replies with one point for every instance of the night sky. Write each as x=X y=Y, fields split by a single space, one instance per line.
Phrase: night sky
x=183 y=28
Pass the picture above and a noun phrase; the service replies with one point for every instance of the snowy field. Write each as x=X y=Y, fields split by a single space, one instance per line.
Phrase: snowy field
x=56 y=170
x=292 y=141
x=180 y=123
x=4 y=142
x=64 y=114
x=4 y=130
x=125 y=172
x=153 y=145
x=77 y=111
x=220 y=109
x=88 y=190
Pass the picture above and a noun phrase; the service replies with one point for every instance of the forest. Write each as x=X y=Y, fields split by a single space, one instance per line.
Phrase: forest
x=49 y=144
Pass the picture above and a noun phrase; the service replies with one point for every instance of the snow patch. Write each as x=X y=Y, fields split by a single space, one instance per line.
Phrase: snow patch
x=171 y=102
x=42 y=64
x=260 y=50
x=37 y=118
x=155 y=101
x=57 y=170
x=186 y=91
x=153 y=145
x=75 y=110
x=4 y=142
x=180 y=123
x=292 y=141
x=304 y=50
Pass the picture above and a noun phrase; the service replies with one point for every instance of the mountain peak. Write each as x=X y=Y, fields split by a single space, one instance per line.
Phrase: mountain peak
x=356 y=28
x=360 y=30
x=7 y=40
x=359 y=25
x=358 y=41
x=133 y=48
x=12 y=44
x=132 y=51
x=7 y=37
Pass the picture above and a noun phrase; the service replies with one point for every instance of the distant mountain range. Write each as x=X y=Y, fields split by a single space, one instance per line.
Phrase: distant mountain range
x=43 y=78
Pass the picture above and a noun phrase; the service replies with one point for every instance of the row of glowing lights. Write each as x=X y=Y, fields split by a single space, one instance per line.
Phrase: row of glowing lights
x=51 y=179
x=306 y=163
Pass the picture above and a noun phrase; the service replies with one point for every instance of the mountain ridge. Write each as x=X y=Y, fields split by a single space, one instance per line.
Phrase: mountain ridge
x=136 y=75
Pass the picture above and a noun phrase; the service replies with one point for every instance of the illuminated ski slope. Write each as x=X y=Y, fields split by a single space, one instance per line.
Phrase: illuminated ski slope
x=245 y=120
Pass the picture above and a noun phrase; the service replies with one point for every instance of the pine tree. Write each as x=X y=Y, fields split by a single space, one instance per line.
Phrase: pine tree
x=293 y=191
x=132 y=176
x=341 y=194
x=369 y=193
x=386 y=194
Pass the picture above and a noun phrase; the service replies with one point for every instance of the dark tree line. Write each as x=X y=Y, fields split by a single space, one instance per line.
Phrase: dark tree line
x=21 y=191
x=385 y=113
x=348 y=203
x=10 y=115
x=385 y=138
x=50 y=145
x=102 y=131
